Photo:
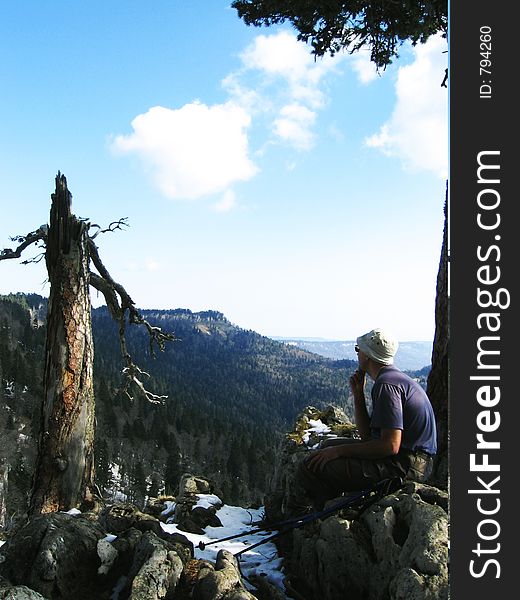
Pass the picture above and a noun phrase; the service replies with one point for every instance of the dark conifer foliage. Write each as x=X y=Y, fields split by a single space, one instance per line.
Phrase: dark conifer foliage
x=232 y=394
x=333 y=25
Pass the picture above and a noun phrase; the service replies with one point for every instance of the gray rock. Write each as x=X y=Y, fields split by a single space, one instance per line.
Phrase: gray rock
x=409 y=585
x=107 y=555
x=156 y=506
x=19 y=592
x=63 y=556
x=205 y=517
x=223 y=582
x=397 y=549
x=188 y=516
x=156 y=570
x=55 y=555
x=191 y=484
x=123 y=516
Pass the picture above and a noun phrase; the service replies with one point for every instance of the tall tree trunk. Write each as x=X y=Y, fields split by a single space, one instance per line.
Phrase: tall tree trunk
x=437 y=387
x=65 y=468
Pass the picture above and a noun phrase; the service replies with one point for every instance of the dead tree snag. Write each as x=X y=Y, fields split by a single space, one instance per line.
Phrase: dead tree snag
x=64 y=474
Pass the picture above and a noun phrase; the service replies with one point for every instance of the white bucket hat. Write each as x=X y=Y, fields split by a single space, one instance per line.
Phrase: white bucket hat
x=379 y=345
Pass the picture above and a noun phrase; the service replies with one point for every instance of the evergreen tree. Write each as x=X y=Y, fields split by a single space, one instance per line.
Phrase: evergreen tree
x=173 y=469
x=103 y=472
x=333 y=25
x=138 y=485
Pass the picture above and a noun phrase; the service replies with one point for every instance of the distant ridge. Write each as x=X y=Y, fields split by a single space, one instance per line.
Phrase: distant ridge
x=411 y=356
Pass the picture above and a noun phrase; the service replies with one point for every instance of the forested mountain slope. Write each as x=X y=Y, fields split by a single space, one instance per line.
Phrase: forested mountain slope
x=231 y=395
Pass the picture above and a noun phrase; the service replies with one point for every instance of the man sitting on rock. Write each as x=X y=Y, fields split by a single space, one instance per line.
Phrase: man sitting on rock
x=398 y=439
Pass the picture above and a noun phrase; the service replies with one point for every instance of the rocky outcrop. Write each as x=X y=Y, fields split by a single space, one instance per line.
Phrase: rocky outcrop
x=395 y=549
x=121 y=552
x=44 y=555
x=311 y=427
x=156 y=570
x=60 y=555
x=17 y=592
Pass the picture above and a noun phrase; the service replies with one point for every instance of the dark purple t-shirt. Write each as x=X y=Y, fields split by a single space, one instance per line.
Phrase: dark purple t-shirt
x=399 y=402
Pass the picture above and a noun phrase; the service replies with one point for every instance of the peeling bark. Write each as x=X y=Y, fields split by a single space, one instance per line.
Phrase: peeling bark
x=65 y=468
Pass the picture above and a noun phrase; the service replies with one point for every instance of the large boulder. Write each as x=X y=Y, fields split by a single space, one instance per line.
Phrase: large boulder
x=55 y=555
x=188 y=515
x=121 y=516
x=17 y=592
x=156 y=569
x=396 y=549
x=221 y=581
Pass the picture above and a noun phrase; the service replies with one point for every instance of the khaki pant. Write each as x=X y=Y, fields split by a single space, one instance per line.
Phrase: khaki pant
x=357 y=474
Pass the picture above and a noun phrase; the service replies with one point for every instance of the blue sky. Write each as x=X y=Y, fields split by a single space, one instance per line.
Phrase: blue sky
x=298 y=197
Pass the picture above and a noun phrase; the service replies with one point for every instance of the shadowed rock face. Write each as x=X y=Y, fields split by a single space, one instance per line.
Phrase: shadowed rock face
x=58 y=556
x=223 y=581
x=18 y=592
x=55 y=555
x=188 y=516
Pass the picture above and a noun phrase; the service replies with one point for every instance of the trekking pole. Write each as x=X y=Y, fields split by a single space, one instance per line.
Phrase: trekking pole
x=202 y=545
x=266 y=528
x=297 y=523
x=385 y=486
x=264 y=541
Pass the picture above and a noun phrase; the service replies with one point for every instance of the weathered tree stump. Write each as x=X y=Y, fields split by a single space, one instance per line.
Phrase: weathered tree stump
x=64 y=470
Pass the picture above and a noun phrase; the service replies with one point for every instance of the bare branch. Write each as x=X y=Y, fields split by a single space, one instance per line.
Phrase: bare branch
x=132 y=374
x=35 y=259
x=115 y=225
x=118 y=309
x=24 y=242
x=120 y=303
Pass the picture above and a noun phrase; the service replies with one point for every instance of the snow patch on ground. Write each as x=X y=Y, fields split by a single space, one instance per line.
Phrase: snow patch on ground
x=263 y=560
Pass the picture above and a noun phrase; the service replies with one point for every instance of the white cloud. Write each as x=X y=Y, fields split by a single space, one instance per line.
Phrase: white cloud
x=363 y=66
x=294 y=125
x=289 y=85
x=192 y=151
x=152 y=265
x=227 y=202
x=417 y=131
x=278 y=54
x=199 y=150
